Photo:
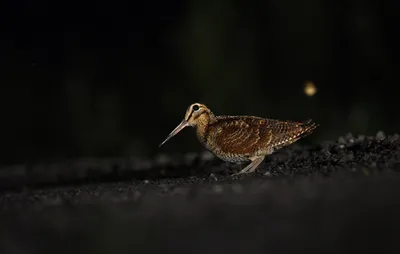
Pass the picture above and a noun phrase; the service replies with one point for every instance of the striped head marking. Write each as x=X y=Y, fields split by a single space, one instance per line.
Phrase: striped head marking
x=194 y=113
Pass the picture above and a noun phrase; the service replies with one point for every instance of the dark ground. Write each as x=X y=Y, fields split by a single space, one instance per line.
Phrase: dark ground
x=335 y=197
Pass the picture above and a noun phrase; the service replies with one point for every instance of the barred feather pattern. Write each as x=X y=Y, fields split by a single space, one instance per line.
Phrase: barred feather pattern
x=238 y=138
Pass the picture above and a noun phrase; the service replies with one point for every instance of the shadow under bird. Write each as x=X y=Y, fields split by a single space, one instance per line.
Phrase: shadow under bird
x=241 y=139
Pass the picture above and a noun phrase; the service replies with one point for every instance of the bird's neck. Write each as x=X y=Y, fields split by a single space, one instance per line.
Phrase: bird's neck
x=203 y=121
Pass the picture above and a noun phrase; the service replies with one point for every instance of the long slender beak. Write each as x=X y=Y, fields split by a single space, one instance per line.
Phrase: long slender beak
x=178 y=128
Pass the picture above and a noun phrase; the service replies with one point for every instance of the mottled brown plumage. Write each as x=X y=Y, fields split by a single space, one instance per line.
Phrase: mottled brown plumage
x=241 y=139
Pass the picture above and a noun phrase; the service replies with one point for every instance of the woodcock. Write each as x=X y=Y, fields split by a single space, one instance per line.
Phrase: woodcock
x=241 y=139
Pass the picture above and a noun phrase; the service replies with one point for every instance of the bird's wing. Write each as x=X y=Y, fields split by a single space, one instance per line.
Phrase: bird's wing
x=240 y=135
x=247 y=135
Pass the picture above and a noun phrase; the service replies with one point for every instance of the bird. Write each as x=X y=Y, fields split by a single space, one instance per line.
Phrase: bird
x=241 y=139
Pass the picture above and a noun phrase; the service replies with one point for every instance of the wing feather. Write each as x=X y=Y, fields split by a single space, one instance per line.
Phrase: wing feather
x=246 y=136
x=237 y=137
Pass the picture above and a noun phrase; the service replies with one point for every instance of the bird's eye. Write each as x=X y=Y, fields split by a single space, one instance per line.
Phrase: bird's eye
x=196 y=107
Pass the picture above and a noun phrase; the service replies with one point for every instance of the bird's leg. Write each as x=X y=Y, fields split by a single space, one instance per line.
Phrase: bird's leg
x=255 y=162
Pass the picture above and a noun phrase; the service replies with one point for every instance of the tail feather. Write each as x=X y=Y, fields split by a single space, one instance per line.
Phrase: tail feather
x=308 y=127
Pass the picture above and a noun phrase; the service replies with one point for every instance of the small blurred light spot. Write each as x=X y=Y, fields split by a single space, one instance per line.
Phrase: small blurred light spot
x=309 y=88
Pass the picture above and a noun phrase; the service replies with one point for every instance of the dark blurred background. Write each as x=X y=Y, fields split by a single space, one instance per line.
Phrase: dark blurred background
x=111 y=78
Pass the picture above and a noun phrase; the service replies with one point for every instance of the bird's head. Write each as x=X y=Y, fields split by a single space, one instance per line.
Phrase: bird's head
x=196 y=113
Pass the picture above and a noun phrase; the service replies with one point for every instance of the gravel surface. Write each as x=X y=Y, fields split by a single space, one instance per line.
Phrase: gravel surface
x=334 y=197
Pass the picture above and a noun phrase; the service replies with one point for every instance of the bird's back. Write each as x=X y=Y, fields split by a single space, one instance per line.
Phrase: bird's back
x=237 y=138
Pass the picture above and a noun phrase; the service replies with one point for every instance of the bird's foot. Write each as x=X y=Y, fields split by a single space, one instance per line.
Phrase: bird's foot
x=255 y=162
